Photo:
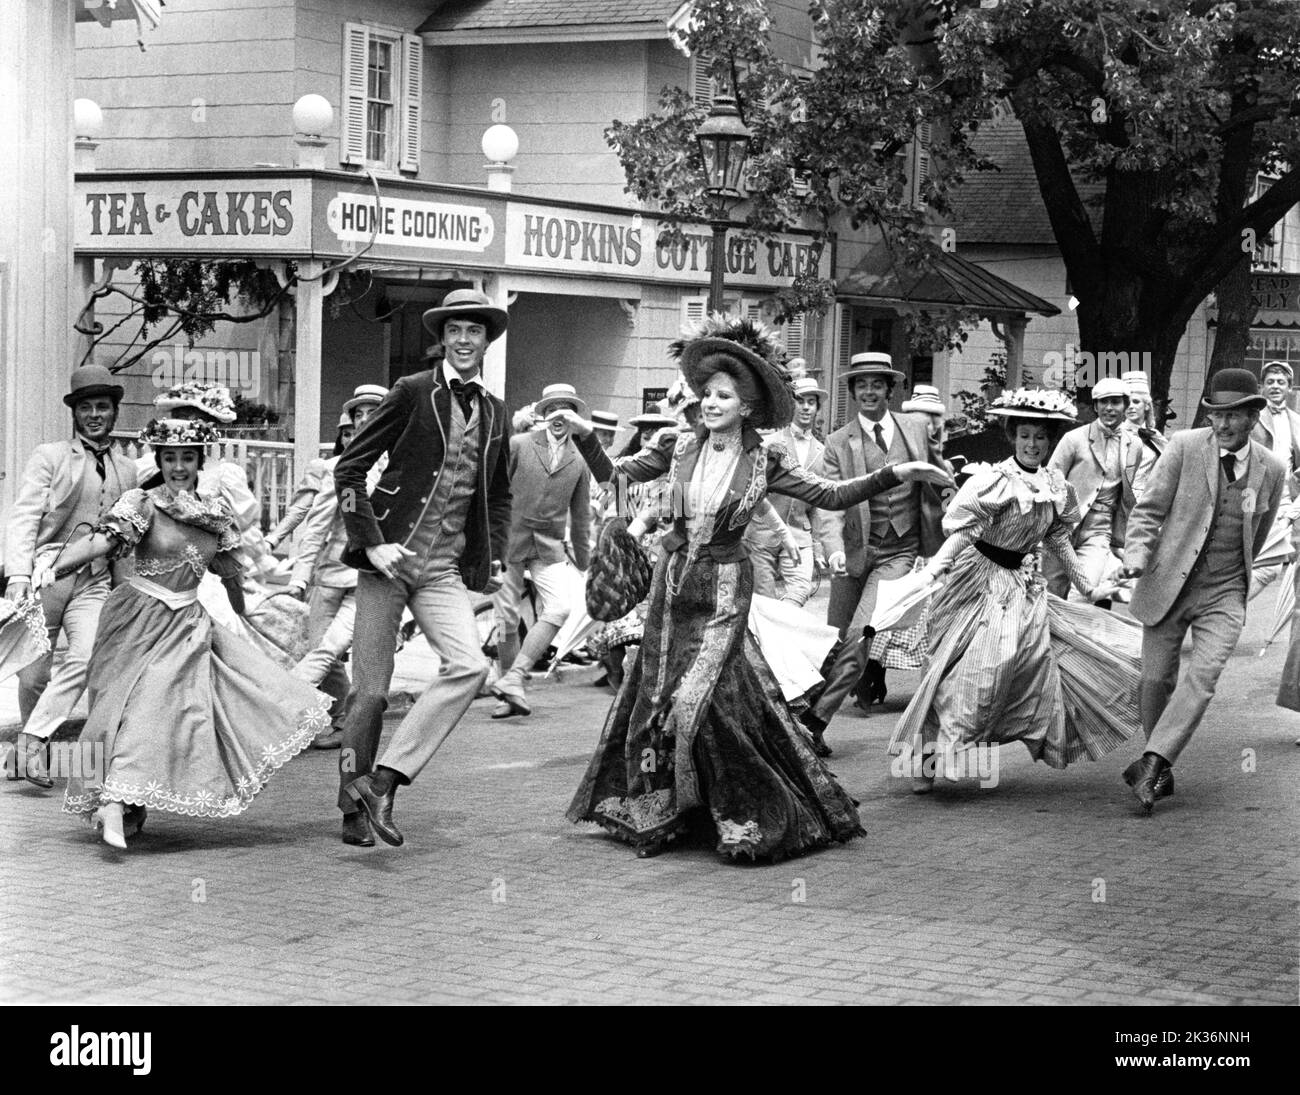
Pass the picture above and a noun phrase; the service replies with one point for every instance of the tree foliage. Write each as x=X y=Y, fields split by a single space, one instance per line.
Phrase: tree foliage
x=1146 y=123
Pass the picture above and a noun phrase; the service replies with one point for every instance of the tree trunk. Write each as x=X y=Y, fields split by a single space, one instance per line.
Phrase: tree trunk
x=1232 y=335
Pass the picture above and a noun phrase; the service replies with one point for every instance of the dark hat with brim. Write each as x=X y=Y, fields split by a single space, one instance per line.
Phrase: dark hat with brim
x=467 y=304
x=651 y=420
x=1234 y=390
x=698 y=363
x=90 y=381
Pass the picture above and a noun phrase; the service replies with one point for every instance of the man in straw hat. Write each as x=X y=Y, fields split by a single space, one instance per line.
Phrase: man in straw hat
x=1279 y=431
x=435 y=527
x=68 y=487
x=365 y=398
x=879 y=539
x=328 y=583
x=1100 y=460
x=765 y=539
x=551 y=485
x=1191 y=539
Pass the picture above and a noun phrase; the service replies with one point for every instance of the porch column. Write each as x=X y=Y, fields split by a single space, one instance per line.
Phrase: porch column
x=494 y=361
x=308 y=297
x=83 y=280
x=1015 y=341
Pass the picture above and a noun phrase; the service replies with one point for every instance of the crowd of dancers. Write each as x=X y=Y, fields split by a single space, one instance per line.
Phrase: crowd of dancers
x=726 y=686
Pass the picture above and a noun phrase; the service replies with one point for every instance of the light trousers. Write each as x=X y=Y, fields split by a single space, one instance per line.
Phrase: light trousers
x=771 y=565
x=1172 y=706
x=73 y=605
x=444 y=612
x=551 y=580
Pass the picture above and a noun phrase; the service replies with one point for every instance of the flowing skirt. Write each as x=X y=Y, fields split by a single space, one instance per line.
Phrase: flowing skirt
x=700 y=729
x=184 y=716
x=1010 y=662
x=23 y=635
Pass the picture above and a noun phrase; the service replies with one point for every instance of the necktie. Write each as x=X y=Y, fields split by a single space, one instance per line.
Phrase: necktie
x=1229 y=463
x=880 y=438
x=464 y=396
x=99 y=455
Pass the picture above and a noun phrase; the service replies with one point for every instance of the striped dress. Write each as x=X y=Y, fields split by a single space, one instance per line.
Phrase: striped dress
x=1007 y=660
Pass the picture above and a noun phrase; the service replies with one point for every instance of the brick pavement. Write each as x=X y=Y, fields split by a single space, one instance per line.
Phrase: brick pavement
x=970 y=896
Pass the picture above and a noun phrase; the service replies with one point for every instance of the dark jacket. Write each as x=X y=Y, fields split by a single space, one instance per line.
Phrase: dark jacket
x=411 y=426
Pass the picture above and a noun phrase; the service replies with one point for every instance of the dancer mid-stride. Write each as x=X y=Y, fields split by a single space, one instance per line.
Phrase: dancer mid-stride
x=184 y=716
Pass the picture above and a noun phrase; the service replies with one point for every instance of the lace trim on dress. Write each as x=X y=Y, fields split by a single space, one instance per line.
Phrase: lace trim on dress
x=210 y=513
x=1048 y=485
x=150 y=566
x=154 y=795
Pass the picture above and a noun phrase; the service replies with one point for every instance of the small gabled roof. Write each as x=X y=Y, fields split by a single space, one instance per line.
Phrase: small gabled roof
x=487 y=16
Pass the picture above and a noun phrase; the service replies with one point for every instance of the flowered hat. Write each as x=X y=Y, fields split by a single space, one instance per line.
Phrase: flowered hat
x=1043 y=403
x=212 y=399
x=751 y=345
x=175 y=432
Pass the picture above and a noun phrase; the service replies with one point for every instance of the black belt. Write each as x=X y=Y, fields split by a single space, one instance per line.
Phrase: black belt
x=1004 y=557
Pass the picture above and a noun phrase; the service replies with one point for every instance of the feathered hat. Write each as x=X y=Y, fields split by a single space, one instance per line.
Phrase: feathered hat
x=749 y=344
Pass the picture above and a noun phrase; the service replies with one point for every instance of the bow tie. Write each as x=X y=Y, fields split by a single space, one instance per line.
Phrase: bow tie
x=464 y=393
x=1109 y=435
x=800 y=435
x=1276 y=410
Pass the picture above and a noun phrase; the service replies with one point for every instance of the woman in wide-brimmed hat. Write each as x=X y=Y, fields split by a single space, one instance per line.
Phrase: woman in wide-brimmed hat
x=1009 y=662
x=184 y=716
x=699 y=729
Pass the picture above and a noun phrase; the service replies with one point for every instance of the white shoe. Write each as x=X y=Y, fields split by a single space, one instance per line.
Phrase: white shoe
x=108 y=818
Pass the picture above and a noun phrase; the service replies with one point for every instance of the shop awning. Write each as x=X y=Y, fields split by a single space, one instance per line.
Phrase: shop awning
x=954 y=282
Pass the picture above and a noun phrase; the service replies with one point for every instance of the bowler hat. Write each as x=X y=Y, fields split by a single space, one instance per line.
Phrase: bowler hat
x=90 y=381
x=467 y=304
x=871 y=364
x=555 y=396
x=1233 y=390
x=363 y=394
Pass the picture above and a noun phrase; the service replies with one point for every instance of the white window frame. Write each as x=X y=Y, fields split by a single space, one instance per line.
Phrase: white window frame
x=403 y=154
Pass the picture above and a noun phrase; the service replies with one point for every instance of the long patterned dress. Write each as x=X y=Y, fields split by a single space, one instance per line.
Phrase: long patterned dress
x=187 y=717
x=699 y=727
x=1007 y=660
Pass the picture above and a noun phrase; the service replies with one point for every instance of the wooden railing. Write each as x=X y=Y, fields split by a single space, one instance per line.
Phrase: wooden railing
x=267 y=464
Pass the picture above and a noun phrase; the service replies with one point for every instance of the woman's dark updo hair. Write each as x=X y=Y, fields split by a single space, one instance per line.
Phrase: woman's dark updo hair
x=633 y=445
x=1055 y=429
x=157 y=454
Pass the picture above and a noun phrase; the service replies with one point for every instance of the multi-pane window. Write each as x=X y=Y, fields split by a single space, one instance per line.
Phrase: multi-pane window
x=382 y=73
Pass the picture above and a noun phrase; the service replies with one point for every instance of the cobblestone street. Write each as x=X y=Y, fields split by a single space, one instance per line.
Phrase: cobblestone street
x=1046 y=889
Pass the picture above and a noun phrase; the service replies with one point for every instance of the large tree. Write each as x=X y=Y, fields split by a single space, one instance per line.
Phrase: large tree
x=1147 y=122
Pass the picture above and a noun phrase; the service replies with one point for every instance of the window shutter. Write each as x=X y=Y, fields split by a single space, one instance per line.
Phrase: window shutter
x=920 y=162
x=840 y=391
x=794 y=331
x=693 y=310
x=412 y=71
x=352 y=122
x=753 y=310
x=701 y=83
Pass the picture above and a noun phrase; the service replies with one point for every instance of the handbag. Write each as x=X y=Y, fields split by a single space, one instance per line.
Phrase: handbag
x=618 y=578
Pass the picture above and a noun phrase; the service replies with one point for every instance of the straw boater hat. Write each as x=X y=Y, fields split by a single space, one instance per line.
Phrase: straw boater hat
x=807 y=385
x=753 y=346
x=1282 y=365
x=1110 y=388
x=555 y=396
x=604 y=420
x=345 y=422
x=363 y=394
x=1035 y=403
x=212 y=399
x=651 y=420
x=1234 y=390
x=179 y=432
x=90 y=381
x=467 y=304
x=1137 y=384
x=871 y=364
x=925 y=400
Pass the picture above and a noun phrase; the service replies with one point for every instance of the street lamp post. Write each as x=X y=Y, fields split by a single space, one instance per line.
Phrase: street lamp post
x=724 y=142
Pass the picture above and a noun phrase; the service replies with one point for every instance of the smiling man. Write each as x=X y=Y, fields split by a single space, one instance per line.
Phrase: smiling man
x=1192 y=537
x=878 y=539
x=68 y=488
x=434 y=528
x=1101 y=461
